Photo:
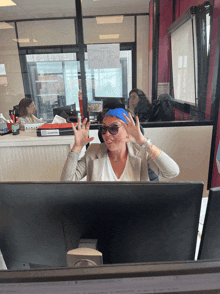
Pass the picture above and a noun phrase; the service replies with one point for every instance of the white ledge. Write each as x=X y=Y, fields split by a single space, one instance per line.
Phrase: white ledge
x=31 y=139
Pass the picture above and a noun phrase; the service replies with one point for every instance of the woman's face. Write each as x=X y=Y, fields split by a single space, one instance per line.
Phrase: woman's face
x=31 y=108
x=134 y=99
x=118 y=141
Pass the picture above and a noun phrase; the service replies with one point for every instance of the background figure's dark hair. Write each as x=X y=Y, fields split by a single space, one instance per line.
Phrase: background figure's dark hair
x=112 y=104
x=23 y=104
x=143 y=108
x=139 y=92
x=162 y=109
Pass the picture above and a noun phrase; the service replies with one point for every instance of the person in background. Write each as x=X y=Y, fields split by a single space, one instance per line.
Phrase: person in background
x=162 y=109
x=139 y=105
x=125 y=154
x=26 y=113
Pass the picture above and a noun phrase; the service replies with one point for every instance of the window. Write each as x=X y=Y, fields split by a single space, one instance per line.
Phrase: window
x=54 y=81
x=110 y=82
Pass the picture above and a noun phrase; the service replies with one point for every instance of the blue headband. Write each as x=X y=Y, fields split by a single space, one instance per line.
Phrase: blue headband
x=118 y=112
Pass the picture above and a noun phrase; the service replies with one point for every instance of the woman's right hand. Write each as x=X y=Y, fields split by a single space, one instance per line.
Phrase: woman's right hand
x=81 y=135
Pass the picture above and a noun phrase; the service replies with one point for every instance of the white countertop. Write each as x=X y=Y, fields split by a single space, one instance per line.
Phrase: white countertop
x=31 y=139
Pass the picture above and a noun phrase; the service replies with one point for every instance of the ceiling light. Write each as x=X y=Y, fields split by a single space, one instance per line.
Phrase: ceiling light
x=110 y=36
x=6 y=3
x=109 y=19
x=5 y=25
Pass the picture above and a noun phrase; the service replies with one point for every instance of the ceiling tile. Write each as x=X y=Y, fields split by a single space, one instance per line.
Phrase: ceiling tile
x=26 y=9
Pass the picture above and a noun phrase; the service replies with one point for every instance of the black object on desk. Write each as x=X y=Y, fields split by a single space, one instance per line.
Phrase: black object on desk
x=9 y=132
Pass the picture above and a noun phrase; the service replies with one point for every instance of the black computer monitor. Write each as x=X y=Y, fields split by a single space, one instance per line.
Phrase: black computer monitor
x=210 y=240
x=68 y=112
x=111 y=102
x=132 y=221
x=167 y=277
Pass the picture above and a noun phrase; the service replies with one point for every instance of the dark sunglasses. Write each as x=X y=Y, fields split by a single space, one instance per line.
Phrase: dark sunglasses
x=113 y=129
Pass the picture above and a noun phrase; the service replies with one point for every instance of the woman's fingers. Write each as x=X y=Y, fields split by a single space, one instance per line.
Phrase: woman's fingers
x=83 y=126
x=79 y=123
x=131 y=119
x=137 y=122
x=73 y=127
x=127 y=119
x=88 y=125
x=84 y=123
x=90 y=139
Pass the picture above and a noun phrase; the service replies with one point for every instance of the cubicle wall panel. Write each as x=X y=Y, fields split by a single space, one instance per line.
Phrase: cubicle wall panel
x=33 y=163
x=42 y=159
x=189 y=146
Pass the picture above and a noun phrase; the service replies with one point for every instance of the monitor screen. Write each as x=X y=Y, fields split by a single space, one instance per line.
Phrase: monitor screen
x=68 y=112
x=132 y=221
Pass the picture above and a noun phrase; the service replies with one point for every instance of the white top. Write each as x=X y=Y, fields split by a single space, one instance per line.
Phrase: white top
x=108 y=173
x=28 y=120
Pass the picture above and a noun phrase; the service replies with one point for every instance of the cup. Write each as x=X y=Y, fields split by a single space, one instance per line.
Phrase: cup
x=15 y=129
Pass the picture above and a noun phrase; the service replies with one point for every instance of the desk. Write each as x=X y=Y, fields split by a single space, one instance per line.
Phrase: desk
x=26 y=157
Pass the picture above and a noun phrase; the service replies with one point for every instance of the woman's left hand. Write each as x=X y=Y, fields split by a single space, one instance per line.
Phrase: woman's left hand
x=134 y=132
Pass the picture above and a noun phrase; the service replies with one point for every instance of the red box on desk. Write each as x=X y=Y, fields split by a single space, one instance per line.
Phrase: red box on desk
x=55 y=130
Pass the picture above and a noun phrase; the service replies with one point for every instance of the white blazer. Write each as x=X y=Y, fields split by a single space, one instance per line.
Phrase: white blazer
x=91 y=164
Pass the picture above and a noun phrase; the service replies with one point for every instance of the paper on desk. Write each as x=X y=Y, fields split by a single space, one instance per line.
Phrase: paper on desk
x=58 y=120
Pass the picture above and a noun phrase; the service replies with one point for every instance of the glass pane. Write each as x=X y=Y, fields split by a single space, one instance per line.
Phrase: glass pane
x=110 y=82
x=111 y=29
x=53 y=81
x=46 y=32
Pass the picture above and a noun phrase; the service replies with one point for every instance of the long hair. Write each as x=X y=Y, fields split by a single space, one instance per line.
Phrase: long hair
x=143 y=108
x=23 y=104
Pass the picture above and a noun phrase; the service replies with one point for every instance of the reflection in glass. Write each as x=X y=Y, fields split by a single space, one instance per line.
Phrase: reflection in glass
x=110 y=82
x=54 y=82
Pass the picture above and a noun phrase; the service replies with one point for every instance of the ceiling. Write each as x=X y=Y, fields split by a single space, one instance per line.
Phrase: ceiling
x=37 y=9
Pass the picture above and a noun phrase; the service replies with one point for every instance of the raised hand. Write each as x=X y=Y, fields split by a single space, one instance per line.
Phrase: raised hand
x=134 y=132
x=81 y=135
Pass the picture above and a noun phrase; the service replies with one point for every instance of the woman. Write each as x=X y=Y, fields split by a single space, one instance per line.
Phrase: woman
x=125 y=154
x=26 y=113
x=139 y=105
